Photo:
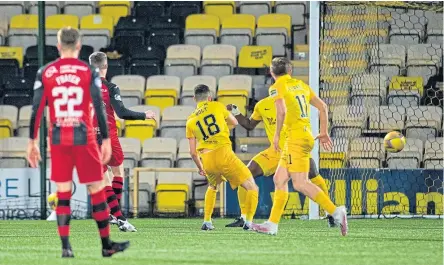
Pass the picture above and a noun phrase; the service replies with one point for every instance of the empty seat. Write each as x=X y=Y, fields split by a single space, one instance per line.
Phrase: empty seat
x=408 y=83
x=13 y=152
x=434 y=27
x=99 y=24
x=366 y=152
x=274 y=30
x=423 y=122
x=222 y=9
x=51 y=8
x=79 y=8
x=8 y=9
x=56 y=22
x=348 y=121
x=133 y=23
x=201 y=30
x=424 y=60
x=433 y=153
x=387 y=59
x=115 y=9
x=218 y=60
x=174 y=121
x=131 y=149
x=337 y=157
x=142 y=129
x=8 y=120
x=405 y=91
x=296 y=9
x=159 y=152
x=182 y=60
x=235 y=89
x=173 y=191
x=184 y=8
x=9 y=67
x=23 y=121
x=115 y=67
x=301 y=52
x=162 y=91
x=131 y=88
x=255 y=8
x=238 y=30
x=164 y=38
x=191 y=82
x=147 y=187
x=254 y=58
x=184 y=159
x=12 y=53
x=386 y=118
x=300 y=67
x=145 y=9
x=409 y=157
x=23 y=31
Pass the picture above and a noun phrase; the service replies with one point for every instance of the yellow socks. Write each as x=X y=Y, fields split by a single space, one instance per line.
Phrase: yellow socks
x=242 y=196
x=251 y=201
x=210 y=201
x=324 y=201
x=320 y=182
x=279 y=201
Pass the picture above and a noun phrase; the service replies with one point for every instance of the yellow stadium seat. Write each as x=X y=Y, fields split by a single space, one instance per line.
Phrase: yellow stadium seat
x=161 y=98
x=97 y=22
x=407 y=83
x=237 y=97
x=255 y=56
x=119 y=127
x=115 y=9
x=332 y=160
x=203 y=21
x=59 y=21
x=6 y=128
x=140 y=129
x=240 y=21
x=12 y=53
x=24 y=22
x=222 y=9
x=275 y=21
x=171 y=198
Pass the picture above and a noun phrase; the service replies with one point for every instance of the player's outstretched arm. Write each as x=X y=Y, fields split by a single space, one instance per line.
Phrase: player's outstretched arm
x=248 y=124
x=120 y=109
x=323 y=136
x=194 y=156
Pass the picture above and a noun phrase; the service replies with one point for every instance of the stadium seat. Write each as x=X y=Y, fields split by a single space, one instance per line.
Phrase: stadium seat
x=366 y=152
x=348 y=121
x=218 y=60
x=274 y=30
x=222 y=9
x=8 y=67
x=184 y=8
x=162 y=91
x=8 y=120
x=300 y=67
x=255 y=8
x=8 y=9
x=173 y=192
x=13 y=152
x=145 y=129
x=254 y=59
x=424 y=60
x=254 y=144
x=406 y=29
x=97 y=24
x=115 y=9
x=182 y=60
x=174 y=121
x=56 y=22
x=11 y=53
x=23 y=31
x=115 y=67
x=148 y=8
x=387 y=59
x=123 y=39
x=159 y=152
x=368 y=89
x=433 y=153
x=386 y=118
x=297 y=11
x=423 y=122
x=79 y=8
x=235 y=89
x=184 y=159
x=131 y=87
x=409 y=158
x=131 y=149
x=133 y=23
x=301 y=52
x=337 y=157
x=147 y=184
x=201 y=30
x=23 y=121
x=191 y=82
x=164 y=37
x=51 y=8
x=434 y=27
x=238 y=30
x=145 y=68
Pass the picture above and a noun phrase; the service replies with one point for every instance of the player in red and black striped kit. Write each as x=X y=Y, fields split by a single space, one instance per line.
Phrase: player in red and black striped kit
x=113 y=103
x=72 y=89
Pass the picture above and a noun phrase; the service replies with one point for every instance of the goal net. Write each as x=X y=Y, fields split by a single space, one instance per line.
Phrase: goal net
x=381 y=71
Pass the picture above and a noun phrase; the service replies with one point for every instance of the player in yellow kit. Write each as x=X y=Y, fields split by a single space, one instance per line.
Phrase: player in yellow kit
x=292 y=98
x=210 y=147
x=266 y=162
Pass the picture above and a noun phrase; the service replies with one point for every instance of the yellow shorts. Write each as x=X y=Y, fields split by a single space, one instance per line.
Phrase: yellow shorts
x=221 y=164
x=268 y=160
x=296 y=153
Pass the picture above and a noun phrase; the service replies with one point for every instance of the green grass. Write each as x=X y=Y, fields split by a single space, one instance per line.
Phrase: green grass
x=179 y=241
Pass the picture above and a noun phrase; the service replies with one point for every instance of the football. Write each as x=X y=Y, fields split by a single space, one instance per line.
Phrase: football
x=52 y=200
x=394 y=142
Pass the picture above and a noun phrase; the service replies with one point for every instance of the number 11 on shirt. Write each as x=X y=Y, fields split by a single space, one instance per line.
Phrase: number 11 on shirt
x=303 y=106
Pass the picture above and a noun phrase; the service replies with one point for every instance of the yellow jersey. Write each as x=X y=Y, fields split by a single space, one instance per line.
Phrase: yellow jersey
x=265 y=111
x=297 y=96
x=208 y=125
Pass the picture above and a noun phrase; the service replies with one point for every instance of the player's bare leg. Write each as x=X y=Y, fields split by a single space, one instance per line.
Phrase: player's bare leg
x=251 y=201
x=256 y=171
x=302 y=184
x=280 y=180
x=63 y=211
x=101 y=214
x=116 y=216
x=210 y=201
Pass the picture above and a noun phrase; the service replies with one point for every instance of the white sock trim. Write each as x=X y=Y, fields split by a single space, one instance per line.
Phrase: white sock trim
x=244 y=216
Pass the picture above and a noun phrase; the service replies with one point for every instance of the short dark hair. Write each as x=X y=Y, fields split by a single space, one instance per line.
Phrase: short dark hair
x=280 y=66
x=201 y=92
x=98 y=59
x=68 y=37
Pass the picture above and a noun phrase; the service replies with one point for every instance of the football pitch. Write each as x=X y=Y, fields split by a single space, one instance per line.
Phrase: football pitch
x=180 y=241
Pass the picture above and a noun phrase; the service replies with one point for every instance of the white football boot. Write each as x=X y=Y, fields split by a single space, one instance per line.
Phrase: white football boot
x=52 y=217
x=340 y=216
x=125 y=226
x=267 y=227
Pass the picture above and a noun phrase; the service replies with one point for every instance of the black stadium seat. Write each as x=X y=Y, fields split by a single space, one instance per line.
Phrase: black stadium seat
x=132 y=23
x=123 y=40
x=184 y=8
x=146 y=60
x=30 y=68
x=115 y=67
x=18 y=84
x=51 y=53
x=148 y=53
x=17 y=99
x=85 y=52
x=167 y=22
x=9 y=67
x=144 y=68
x=149 y=9
x=164 y=38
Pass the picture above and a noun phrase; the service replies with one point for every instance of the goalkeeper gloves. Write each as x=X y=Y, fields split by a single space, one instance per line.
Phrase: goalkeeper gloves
x=234 y=110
